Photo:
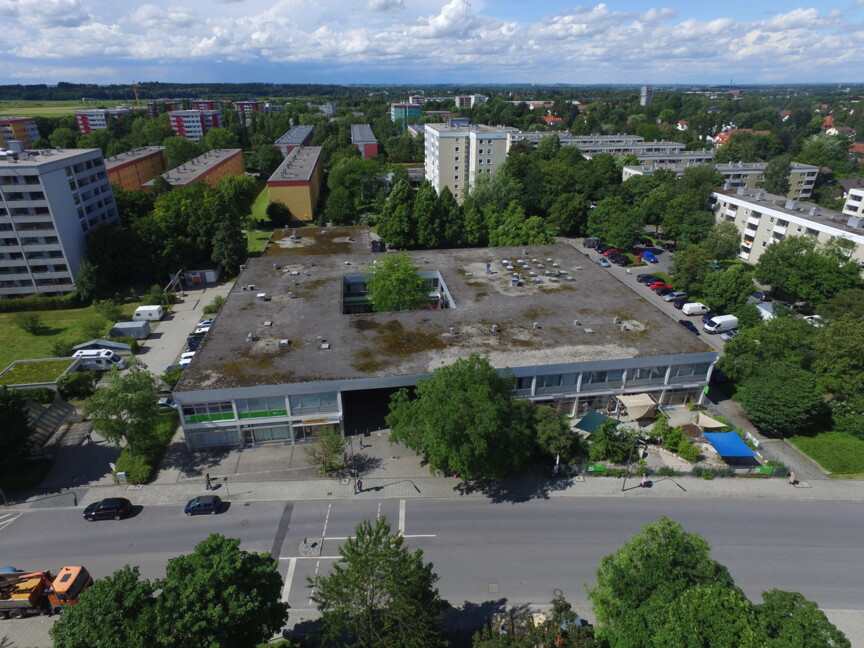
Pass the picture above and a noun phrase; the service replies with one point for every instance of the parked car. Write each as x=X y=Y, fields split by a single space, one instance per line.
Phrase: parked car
x=660 y=284
x=187 y=354
x=622 y=260
x=202 y=330
x=112 y=507
x=675 y=295
x=206 y=322
x=646 y=278
x=649 y=257
x=690 y=326
x=669 y=246
x=166 y=404
x=761 y=296
x=610 y=251
x=679 y=303
x=728 y=335
x=193 y=345
x=209 y=504
x=604 y=262
x=194 y=336
x=657 y=284
x=663 y=291
x=815 y=320
x=706 y=317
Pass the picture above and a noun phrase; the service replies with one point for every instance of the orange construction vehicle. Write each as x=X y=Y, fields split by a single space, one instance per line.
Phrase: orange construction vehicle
x=26 y=593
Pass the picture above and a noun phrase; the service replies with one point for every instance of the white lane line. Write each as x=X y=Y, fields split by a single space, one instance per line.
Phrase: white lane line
x=289 y=577
x=402 y=517
x=8 y=519
x=378 y=515
x=312 y=591
x=326 y=520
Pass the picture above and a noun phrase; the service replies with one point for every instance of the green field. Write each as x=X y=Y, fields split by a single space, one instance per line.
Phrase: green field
x=70 y=325
x=839 y=453
x=49 y=108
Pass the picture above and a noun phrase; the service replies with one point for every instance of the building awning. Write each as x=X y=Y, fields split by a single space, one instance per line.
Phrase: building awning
x=638 y=406
x=728 y=444
x=705 y=421
x=593 y=420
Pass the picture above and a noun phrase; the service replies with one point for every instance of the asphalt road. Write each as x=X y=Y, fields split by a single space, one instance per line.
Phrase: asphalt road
x=520 y=553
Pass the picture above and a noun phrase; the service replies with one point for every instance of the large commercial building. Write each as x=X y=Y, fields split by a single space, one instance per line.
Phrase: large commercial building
x=194 y=124
x=18 y=129
x=295 y=350
x=131 y=170
x=98 y=118
x=49 y=201
x=802 y=177
x=296 y=137
x=210 y=168
x=763 y=219
x=364 y=139
x=297 y=182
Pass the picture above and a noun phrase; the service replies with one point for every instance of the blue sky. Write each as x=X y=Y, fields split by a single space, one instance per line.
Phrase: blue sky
x=431 y=41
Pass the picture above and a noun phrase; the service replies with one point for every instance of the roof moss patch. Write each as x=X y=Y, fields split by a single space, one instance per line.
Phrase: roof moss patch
x=392 y=339
x=28 y=372
x=314 y=240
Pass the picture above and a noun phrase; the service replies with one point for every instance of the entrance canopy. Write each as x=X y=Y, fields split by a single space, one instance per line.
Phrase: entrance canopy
x=593 y=420
x=638 y=406
x=728 y=444
x=708 y=422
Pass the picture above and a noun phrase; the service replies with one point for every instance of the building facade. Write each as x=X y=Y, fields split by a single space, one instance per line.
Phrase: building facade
x=297 y=182
x=18 y=129
x=194 y=124
x=210 y=168
x=854 y=205
x=49 y=201
x=364 y=139
x=205 y=104
x=133 y=169
x=296 y=137
x=763 y=219
x=98 y=118
x=646 y=95
x=402 y=113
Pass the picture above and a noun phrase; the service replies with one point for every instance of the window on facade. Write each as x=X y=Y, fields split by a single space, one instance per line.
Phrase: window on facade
x=456 y=177
x=261 y=407
x=202 y=412
x=647 y=374
x=306 y=403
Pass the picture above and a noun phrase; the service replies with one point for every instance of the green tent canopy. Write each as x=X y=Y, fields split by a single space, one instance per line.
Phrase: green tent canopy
x=593 y=420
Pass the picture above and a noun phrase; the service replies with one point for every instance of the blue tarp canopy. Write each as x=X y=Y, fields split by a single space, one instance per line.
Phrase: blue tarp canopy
x=593 y=420
x=728 y=444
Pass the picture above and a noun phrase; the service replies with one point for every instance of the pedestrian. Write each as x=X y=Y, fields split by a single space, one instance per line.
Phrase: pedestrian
x=792 y=478
x=87 y=438
x=360 y=441
x=359 y=485
x=207 y=481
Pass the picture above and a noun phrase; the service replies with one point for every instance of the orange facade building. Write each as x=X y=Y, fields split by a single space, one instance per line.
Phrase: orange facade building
x=20 y=129
x=210 y=168
x=297 y=182
x=134 y=168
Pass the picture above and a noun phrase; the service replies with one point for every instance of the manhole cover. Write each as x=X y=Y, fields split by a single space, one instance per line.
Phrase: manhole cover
x=494 y=588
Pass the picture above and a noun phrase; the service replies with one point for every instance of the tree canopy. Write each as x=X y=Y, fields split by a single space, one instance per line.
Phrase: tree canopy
x=465 y=420
x=393 y=283
x=15 y=433
x=126 y=408
x=378 y=594
x=782 y=399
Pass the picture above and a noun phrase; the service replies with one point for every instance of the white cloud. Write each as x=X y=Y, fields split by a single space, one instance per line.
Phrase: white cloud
x=385 y=6
x=45 y=13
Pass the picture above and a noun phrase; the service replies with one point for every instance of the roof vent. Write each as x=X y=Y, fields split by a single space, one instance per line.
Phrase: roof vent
x=268 y=323
x=791 y=204
x=616 y=320
x=760 y=195
x=814 y=211
x=251 y=337
x=577 y=323
x=284 y=343
x=452 y=330
x=262 y=297
x=624 y=327
x=495 y=328
x=537 y=325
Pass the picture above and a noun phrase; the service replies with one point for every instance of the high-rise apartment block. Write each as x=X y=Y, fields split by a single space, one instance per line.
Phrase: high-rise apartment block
x=98 y=118
x=49 y=201
x=18 y=129
x=205 y=104
x=194 y=124
x=646 y=95
x=401 y=113
x=134 y=168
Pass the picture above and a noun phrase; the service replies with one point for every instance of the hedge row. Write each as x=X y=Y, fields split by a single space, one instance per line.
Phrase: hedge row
x=139 y=467
x=40 y=303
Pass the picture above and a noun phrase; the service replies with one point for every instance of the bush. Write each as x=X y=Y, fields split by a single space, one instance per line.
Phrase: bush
x=209 y=309
x=109 y=309
x=138 y=468
x=666 y=471
x=41 y=395
x=711 y=473
x=40 y=303
x=172 y=376
x=688 y=451
x=673 y=438
x=78 y=384
x=29 y=323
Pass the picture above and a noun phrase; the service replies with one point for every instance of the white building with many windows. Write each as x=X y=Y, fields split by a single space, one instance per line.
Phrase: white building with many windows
x=49 y=201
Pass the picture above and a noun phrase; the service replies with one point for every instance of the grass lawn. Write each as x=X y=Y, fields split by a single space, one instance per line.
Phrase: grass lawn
x=836 y=452
x=44 y=371
x=72 y=325
x=259 y=207
x=257 y=240
x=48 y=108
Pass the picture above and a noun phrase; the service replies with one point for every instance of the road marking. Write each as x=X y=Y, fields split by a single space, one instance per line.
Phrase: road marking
x=312 y=590
x=402 y=517
x=7 y=519
x=378 y=514
x=289 y=577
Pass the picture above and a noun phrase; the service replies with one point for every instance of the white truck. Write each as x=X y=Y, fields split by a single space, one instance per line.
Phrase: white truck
x=99 y=359
x=153 y=313
x=720 y=324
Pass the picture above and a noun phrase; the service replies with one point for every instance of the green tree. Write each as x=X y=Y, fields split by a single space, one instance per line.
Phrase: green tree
x=846 y=302
x=396 y=224
x=430 y=228
x=179 y=150
x=267 y=159
x=464 y=419
x=117 y=610
x=569 y=214
x=341 y=209
x=326 y=452
x=777 y=175
x=126 y=408
x=723 y=241
x=609 y=443
x=637 y=583
x=394 y=284
x=15 y=432
x=554 y=435
x=791 y=621
x=230 y=248
x=839 y=355
x=239 y=193
x=782 y=400
x=726 y=290
x=220 y=138
x=378 y=594
x=64 y=138
x=219 y=596
x=690 y=268
x=29 y=322
x=278 y=214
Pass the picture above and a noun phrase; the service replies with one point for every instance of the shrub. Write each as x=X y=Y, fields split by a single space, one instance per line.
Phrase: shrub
x=40 y=303
x=172 y=376
x=29 y=323
x=138 y=468
x=666 y=471
x=711 y=473
x=109 y=309
x=78 y=384
x=61 y=347
x=214 y=307
x=41 y=395
x=673 y=438
x=128 y=339
x=688 y=451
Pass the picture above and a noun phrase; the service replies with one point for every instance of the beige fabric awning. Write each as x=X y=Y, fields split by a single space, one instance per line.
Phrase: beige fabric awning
x=708 y=422
x=638 y=406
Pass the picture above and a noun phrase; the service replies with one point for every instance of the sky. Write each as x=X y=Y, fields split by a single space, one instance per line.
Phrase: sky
x=431 y=41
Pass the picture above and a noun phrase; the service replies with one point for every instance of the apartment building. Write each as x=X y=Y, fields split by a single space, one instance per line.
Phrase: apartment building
x=469 y=101
x=646 y=95
x=205 y=104
x=296 y=137
x=131 y=170
x=18 y=129
x=98 y=118
x=49 y=201
x=297 y=182
x=364 y=139
x=854 y=205
x=763 y=219
x=802 y=177
x=401 y=113
x=247 y=107
x=194 y=124
x=210 y=168
x=157 y=106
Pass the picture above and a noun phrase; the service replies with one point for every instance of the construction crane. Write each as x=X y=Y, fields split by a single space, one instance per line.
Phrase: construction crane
x=135 y=87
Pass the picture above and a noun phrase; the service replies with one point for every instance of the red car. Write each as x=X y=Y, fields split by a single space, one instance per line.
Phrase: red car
x=658 y=286
x=610 y=251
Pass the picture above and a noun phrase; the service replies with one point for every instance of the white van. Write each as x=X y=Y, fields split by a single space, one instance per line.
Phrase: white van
x=721 y=324
x=694 y=308
x=154 y=313
x=99 y=359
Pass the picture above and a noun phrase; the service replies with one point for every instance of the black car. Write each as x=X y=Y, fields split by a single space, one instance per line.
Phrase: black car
x=113 y=507
x=679 y=303
x=707 y=316
x=622 y=260
x=690 y=326
x=663 y=291
x=204 y=504
x=647 y=278
x=193 y=345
